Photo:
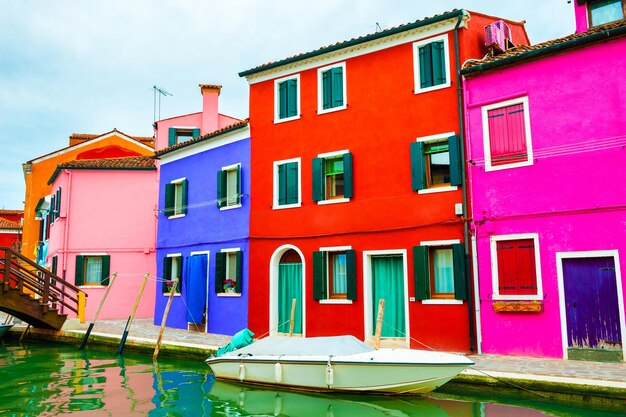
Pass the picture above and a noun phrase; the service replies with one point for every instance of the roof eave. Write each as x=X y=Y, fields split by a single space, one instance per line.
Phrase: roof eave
x=201 y=139
x=58 y=170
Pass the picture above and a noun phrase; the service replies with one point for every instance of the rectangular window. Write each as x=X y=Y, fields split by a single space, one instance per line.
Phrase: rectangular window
x=176 y=198
x=229 y=187
x=287 y=100
x=178 y=135
x=436 y=163
x=228 y=271
x=605 y=11
x=516 y=267
x=506 y=130
x=439 y=269
x=92 y=270
x=334 y=274
x=172 y=271
x=331 y=82
x=287 y=183
x=332 y=177
x=431 y=62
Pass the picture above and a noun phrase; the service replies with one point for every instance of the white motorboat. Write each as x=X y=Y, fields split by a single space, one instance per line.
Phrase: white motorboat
x=341 y=363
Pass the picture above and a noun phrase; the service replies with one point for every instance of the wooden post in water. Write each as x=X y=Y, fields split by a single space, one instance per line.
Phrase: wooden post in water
x=379 y=323
x=120 y=349
x=24 y=334
x=292 y=317
x=95 y=317
x=164 y=320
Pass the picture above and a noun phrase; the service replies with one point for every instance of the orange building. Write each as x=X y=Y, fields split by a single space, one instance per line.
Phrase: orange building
x=38 y=201
x=358 y=186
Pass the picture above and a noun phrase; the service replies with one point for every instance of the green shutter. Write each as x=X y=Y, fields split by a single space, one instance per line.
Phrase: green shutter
x=106 y=269
x=282 y=184
x=326 y=90
x=426 y=66
x=351 y=274
x=195 y=133
x=79 y=277
x=220 y=271
x=179 y=285
x=169 y=199
x=456 y=165
x=348 y=189
x=58 y=207
x=318 y=188
x=171 y=137
x=421 y=274
x=282 y=100
x=167 y=273
x=458 y=261
x=292 y=184
x=337 y=86
x=221 y=188
x=51 y=209
x=319 y=276
x=183 y=190
x=292 y=97
x=239 y=184
x=418 y=166
x=439 y=63
x=55 y=262
x=239 y=279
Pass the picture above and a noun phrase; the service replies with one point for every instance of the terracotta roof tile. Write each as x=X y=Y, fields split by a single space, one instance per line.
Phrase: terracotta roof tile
x=218 y=132
x=89 y=136
x=8 y=224
x=522 y=52
x=11 y=212
x=131 y=162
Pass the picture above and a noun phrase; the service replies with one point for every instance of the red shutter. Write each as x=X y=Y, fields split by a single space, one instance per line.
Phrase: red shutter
x=507 y=135
x=507 y=278
x=517 y=274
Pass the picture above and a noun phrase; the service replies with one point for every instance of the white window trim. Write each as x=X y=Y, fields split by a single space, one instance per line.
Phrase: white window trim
x=327 y=155
x=320 y=90
x=436 y=138
x=174 y=255
x=91 y=254
x=231 y=168
x=229 y=250
x=208 y=268
x=494 y=267
x=228 y=294
x=334 y=153
x=440 y=242
x=179 y=215
x=486 y=141
x=178 y=180
x=277 y=119
x=335 y=301
x=438 y=190
x=333 y=201
x=416 y=64
x=273 y=274
x=442 y=301
x=275 y=205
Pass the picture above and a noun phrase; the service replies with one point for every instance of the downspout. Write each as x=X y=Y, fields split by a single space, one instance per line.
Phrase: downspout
x=66 y=224
x=470 y=301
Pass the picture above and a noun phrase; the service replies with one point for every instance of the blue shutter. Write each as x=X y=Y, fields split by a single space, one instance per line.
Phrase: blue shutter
x=421 y=273
x=319 y=275
x=426 y=66
x=171 y=138
x=318 y=188
x=458 y=262
x=456 y=165
x=337 y=87
x=169 y=199
x=348 y=190
x=418 y=166
x=351 y=274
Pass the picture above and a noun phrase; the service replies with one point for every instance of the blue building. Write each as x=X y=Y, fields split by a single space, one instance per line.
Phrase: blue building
x=203 y=230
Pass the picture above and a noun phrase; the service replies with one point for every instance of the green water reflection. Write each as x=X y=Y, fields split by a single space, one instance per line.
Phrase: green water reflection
x=42 y=380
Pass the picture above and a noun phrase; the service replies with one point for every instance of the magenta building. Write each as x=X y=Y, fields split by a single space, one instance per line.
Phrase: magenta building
x=546 y=150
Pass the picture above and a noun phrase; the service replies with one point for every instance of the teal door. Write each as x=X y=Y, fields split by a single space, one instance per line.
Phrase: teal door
x=289 y=288
x=388 y=284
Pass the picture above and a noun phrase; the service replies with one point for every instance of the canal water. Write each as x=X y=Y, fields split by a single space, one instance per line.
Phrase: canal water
x=43 y=380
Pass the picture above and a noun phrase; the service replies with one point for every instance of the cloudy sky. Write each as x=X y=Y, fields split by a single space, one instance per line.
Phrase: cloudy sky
x=88 y=66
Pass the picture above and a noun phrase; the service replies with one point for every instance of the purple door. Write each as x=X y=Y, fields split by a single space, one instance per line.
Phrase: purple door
x=591 y=306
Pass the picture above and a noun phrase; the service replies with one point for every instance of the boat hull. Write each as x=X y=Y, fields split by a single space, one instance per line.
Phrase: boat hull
x=4 y=328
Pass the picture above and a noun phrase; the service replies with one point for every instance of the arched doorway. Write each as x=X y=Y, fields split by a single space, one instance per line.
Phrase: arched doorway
x=287 y=284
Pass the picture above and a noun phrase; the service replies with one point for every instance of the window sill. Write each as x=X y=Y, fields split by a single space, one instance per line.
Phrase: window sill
x=418 y=90
x=228 y=294
x=92 y=286
x=332 y=109
x=489 y=167
x=234 y=206
x=286 y=119
x=438 y=190
x=442 y=302
x=167 y=294
x=286 y=206
x=518 y=306
x=176 y=216
x=335 y=301
x=333 y=201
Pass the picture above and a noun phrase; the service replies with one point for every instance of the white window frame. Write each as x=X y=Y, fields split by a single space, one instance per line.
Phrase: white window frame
x=175 y=215
x=230 y=294
x=320 y=89
x=416 y=64
x=486 y=138
x=330 y=249
x=430 y=139
x=233 y=206
x=273 y=274
x=275 y=205
x=174 y=255
x=87 y=254
x=277 y=118
x=435 y=243
x=494 y=267
x=177 y=128
x=329 y=155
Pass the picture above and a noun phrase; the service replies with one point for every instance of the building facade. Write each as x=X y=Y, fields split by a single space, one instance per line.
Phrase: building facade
x=11 y=228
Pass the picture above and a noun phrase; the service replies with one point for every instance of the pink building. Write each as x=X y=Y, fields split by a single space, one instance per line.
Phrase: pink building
x=105 y=222
x=546 y=150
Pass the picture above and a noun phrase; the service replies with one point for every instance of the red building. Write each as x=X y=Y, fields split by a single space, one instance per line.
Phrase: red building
x=357 y=187
x=11 y=228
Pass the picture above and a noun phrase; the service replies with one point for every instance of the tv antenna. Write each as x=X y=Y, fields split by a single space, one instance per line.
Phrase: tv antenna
x=378 y=28
x=158 y=92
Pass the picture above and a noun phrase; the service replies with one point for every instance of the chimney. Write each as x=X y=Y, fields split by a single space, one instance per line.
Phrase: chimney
x=210 y=94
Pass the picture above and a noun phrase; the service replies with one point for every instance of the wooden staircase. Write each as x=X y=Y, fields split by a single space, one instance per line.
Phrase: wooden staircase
x=35 y=295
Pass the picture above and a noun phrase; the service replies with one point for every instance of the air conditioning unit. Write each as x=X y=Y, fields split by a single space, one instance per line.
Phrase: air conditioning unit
x=498 y=36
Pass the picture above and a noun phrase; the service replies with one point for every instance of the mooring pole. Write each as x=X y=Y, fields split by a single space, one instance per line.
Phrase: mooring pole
x=120 y=349
x=291 y=318
x=24 y=334
x=95 y=317
x=379 y=323
x=164 y=320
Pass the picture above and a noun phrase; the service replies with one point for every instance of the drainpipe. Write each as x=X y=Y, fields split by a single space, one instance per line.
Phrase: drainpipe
x=470 y=301
x=66 y=226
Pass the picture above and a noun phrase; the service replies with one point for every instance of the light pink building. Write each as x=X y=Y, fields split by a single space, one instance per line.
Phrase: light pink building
x=105 y=222
x=546 y=150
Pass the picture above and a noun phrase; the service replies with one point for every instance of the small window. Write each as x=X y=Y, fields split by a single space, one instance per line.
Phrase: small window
x=606 y=11
x=172 y=270
x=229 y=187
x=176 y=198
x=332 y=177
x=432 y=67
x=287 y=183
x=287 y=91
x=331 y=88
x=334 y=275
x=440 y=271
x=228 y=271
x=92 y=270
x=515 y=267
x=178 y=135
x=436 y=163
x=506 y=130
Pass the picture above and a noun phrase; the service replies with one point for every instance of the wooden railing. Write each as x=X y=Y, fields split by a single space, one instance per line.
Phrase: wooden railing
x=50 y=290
